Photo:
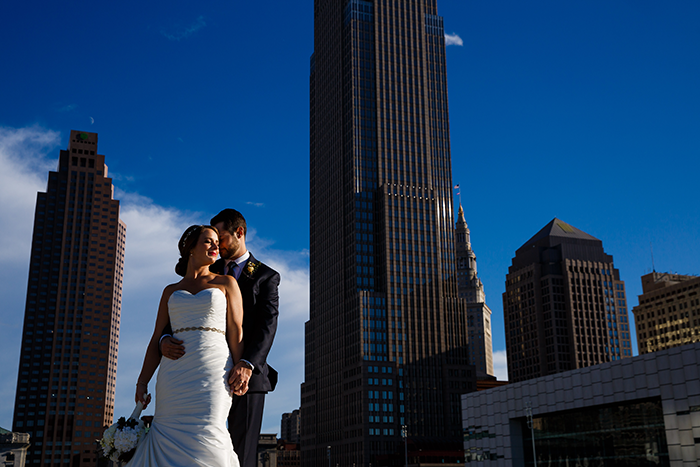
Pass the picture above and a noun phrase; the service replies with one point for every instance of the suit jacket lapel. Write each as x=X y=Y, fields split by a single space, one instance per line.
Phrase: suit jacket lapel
x=248 y=268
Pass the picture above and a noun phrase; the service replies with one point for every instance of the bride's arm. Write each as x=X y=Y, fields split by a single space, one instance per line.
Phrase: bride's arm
x=234 y=318
x=152 y=358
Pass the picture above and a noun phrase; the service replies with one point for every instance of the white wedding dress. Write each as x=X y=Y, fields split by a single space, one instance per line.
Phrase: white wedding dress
x=192 y=393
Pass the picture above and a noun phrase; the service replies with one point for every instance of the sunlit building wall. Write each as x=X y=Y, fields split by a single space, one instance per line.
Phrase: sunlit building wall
x=668 y=313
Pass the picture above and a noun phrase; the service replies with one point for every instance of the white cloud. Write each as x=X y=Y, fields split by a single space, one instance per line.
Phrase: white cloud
x=453 y=39
x=118 y=177
x=24 y=171
x=24 y=168
x=500 y=365
x=68 y=108
x=151 y=253
x=179 y=33
x=257 y=205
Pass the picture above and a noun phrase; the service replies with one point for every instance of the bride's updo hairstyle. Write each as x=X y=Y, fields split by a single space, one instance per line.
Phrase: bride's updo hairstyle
x=187 y=242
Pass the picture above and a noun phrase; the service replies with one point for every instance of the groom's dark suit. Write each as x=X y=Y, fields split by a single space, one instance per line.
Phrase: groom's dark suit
x=258 y=283
x=259 y=290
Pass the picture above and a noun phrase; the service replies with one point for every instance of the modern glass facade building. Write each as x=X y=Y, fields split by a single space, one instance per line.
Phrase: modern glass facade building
x=68 y=360
x=638 y=411
x=386 y=342
x=628 y=434
x=564 y=306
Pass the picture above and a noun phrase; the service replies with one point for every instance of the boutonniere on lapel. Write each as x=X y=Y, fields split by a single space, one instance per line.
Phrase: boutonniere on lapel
x=251 y=267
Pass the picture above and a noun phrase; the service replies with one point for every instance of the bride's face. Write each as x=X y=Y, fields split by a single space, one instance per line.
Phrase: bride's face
x=207 y=248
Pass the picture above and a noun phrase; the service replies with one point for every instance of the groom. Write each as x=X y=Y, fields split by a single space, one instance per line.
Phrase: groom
x=251 y=378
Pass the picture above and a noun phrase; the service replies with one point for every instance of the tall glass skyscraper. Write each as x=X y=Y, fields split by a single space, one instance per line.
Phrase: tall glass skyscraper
x=386 y=342
x=68 y=360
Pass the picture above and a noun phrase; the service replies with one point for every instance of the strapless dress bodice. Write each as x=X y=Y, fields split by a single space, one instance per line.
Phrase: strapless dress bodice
x=198 y=311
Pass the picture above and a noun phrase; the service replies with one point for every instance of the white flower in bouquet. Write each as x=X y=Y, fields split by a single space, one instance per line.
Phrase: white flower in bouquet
x=119 y=441
x=107 y=441
x=126 y=439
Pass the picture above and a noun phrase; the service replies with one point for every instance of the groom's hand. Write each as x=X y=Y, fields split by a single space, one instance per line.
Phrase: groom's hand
x=172 y=348
x=238 y=378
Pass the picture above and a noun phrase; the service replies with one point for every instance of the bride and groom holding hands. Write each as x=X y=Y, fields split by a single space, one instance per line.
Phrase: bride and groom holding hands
x=214 y=329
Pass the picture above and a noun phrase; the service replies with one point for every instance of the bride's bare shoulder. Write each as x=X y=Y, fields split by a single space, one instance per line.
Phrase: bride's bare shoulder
x=169 y=289
x=220 y=279
x=228 y=283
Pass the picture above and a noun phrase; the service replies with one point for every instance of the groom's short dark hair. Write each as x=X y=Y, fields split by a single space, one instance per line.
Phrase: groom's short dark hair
x=232 y=220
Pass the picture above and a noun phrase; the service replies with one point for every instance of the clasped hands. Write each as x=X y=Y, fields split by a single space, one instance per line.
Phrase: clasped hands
x=237 y=379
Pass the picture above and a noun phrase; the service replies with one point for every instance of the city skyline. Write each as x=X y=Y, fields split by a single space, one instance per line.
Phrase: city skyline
x=591 y=103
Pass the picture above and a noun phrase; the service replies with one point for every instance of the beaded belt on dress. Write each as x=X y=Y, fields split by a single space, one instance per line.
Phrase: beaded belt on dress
x=199 y=328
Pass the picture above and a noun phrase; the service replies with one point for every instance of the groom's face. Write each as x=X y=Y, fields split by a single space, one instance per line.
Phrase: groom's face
x=229 y=244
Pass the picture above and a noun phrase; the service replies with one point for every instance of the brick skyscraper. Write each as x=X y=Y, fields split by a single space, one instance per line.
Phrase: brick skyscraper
x=386 y=342
x=564 y=306
x=68 y=360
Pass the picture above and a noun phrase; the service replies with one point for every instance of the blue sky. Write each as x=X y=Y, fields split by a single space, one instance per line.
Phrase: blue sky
x=586 y=111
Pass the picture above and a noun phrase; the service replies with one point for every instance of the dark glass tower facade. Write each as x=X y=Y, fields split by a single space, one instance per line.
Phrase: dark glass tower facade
x=564 y=306
x=68 y=360
x=386 y=342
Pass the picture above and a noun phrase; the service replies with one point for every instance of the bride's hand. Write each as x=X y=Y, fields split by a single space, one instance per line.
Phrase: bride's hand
x=142 y=394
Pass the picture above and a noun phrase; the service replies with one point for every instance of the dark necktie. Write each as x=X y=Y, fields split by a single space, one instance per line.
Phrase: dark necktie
x=234 y=269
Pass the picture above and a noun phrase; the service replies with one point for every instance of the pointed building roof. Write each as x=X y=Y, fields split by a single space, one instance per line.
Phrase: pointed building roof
x=559 y=228
x=460 y=215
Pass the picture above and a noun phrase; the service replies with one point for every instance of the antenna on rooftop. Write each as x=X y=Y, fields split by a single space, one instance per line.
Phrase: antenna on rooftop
x=652 y=257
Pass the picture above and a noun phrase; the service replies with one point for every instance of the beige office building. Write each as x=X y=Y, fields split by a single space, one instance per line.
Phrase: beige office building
x=471 y=289
x=668 y=314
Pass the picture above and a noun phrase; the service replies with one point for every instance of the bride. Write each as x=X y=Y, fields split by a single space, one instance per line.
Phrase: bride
x=193 y=396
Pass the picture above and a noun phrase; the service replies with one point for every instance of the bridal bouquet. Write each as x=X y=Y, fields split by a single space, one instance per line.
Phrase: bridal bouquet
x=120 y=440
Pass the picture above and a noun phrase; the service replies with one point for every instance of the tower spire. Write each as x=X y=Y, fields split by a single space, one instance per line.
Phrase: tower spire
x=471 y=289
x=460 y=215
